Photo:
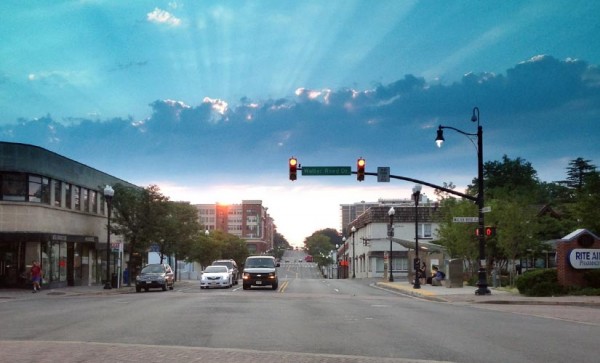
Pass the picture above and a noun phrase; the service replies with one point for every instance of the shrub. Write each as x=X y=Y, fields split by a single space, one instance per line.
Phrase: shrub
x=539 y=282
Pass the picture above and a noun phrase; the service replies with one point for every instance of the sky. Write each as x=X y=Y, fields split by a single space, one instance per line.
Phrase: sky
x=208 y=99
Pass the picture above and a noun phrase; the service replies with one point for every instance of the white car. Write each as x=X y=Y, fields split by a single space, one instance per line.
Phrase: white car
x=216 y=276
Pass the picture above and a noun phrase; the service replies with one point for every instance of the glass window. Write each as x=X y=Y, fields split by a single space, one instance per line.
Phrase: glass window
x=427 y=230
x=68 y=196
x=85 y=199
x=94 y=201
x=14 y=187
x=57 y=193
x=76 y=197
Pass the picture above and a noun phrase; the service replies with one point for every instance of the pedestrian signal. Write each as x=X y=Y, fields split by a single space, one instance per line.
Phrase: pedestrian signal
x=360 y=169
x=487 y=231
x=293 y=168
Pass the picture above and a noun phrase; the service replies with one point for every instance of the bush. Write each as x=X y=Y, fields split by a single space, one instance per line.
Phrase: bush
x=539 y=282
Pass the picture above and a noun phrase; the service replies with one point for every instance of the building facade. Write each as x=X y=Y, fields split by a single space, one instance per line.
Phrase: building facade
x=249 y=220
x=366 y=252
x=52 y=210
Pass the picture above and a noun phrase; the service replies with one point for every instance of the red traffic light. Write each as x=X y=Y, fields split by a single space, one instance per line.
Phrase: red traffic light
x=293 y=163
x=360 y=169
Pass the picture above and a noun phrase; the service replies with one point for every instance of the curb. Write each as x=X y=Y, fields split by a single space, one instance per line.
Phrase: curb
x=510 y=300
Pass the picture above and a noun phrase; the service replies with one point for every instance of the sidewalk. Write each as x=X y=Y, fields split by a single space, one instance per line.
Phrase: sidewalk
x=79 y=290
x=466 y=294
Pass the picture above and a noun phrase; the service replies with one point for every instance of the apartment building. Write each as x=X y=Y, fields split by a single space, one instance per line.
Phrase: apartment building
x=249 y=220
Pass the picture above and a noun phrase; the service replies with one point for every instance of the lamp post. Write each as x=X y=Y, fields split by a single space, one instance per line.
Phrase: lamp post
x=391 y=213
x=417 y=262
x=482 y=283
x=353 y=230
x=108 y=196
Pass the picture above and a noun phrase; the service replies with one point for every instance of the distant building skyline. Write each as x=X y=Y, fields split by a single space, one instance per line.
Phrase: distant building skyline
x=248 y=220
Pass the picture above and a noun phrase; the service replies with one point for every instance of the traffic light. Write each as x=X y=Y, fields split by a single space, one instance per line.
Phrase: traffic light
x=293 y=168
x=487 y=231
x=360 y=169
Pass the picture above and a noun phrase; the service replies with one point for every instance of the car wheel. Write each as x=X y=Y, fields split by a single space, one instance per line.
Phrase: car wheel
x=164 y=287
x=138 y=289
x=274 y=286
x=246 y=287
x=146 y=289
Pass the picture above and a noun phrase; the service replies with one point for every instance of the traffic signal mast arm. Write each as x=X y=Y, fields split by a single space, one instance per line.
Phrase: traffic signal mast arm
x=450 y=191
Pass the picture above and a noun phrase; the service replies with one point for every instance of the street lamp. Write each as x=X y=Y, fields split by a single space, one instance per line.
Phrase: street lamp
x=391 y=213
x=482 y=284
x=353 y=230
x=108 y=196
x=417 y=262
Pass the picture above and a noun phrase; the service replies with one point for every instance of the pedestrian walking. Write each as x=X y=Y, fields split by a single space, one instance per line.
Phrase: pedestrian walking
x=36 y=276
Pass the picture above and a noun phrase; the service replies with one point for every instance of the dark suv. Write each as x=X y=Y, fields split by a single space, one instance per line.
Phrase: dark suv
x=232 y=266
x=260 y=271
x=155 y=275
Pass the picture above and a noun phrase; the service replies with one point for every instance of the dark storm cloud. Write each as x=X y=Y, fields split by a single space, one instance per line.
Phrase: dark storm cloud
x=178 y=135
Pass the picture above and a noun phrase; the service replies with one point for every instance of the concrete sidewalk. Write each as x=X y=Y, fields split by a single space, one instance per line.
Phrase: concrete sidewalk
x=466 y=294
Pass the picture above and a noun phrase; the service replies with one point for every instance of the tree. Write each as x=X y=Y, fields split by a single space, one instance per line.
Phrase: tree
x=577 y=171
x=458 y=238
x=508 y=178
x=218 y=245
x=586 y=208
x=129 y=221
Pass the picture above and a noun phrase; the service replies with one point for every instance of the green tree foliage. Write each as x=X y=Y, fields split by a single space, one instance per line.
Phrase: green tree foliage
x=129 y=221
x=218 y=245
x=280 y=245
x=145 y=217
x=508 y=178
x=577 y=171
x=178 y=229
x=321 y=243
x=586 y=210
x=458 y=238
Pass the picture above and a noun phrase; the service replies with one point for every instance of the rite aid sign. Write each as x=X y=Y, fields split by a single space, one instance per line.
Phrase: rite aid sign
x=583 y=258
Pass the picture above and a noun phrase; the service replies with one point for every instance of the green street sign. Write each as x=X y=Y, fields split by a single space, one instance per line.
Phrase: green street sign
x=326 y=170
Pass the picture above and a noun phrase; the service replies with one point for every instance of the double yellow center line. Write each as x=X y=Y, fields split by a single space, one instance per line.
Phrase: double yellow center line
x=283 y=286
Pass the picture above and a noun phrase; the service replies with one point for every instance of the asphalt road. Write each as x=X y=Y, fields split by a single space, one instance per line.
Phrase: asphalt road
x=333 y=320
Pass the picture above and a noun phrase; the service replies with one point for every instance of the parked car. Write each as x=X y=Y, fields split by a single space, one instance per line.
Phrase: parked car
x=216 y=276
x=155 y=275
x=232 y=266
x=260 y=271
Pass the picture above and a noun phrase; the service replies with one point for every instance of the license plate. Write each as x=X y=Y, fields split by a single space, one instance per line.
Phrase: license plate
x=259 y=282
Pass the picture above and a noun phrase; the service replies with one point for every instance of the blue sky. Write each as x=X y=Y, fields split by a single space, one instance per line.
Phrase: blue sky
x=208 y=99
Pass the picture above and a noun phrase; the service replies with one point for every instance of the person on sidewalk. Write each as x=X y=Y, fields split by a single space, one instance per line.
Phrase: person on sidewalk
x=36 y=275
x=438 y=277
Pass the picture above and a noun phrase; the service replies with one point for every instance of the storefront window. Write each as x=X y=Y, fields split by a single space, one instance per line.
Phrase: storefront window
x=62 y=261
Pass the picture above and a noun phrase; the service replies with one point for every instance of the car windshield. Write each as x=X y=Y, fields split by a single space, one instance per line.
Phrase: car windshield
x=260 y=262
x=223 y=263
x=153 y=269
x=216 y=269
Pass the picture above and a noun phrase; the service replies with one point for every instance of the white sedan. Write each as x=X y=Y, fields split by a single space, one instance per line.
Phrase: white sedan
x=216 y=276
